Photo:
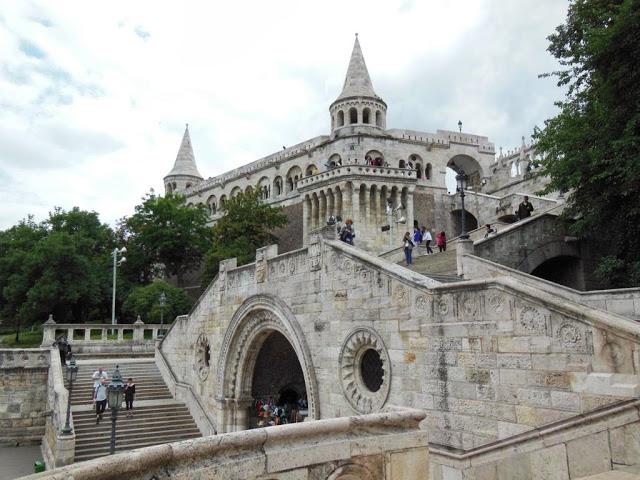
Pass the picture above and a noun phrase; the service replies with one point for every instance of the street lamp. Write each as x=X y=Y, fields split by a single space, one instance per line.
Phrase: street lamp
x=72 y=374
x=460 y=125
x=163 y=302
x=461 y=179
x=116 y=263
x=115 y=392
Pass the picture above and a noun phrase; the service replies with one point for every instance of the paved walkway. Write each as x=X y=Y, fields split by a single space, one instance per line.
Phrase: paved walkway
x=18 y=461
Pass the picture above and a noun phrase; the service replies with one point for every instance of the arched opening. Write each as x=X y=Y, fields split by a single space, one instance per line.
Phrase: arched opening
x=223 y=201
x=378 y=118
x=188 y=185
x=264 y=187
x=277 y=186
x=375 y=158
x=311 y=170
x=564 y=270
x=508 y=218
x=471 y=222
x=427 y=171
x=169 y=188
x=212 y=205
x=293 y=175
x=334 y=161
x=402 y=164
x=366 y=115
x=471 y=168
x=235 y=191
x=418 y=171
x=340 y=118
x=278 y=388
x=353 y=116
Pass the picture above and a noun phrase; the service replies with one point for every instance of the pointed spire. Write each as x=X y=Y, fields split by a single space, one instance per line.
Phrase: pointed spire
x=357 y=83
x=185 y=161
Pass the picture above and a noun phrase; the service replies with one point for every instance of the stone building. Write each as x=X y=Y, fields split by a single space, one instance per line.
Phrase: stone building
x=359 y=168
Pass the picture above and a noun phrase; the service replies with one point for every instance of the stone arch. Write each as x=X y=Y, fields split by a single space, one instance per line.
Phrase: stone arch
x=564 y=270
x=471 y=167
x=235 y=191
x=376 y=157
x=366 y=115
x=353 y=115
x=223 y=201
x=293 y=175
x=334 y=161
x=471 y=222
x=340 y=118
x=248 y=189
x=169 y=188
x=402 y=163
x=212 y=205
x=352 y=471
x=264 y=187
x=545 y=252
x=311 y=170
x=277 y=186
x=378 y=118
x=258 y=317
x=427 y=171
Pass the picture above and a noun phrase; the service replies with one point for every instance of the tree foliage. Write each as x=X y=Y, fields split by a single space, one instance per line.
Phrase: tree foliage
x=591 y=149
x=164 y=234
x=247 y=224
x=145 y=301
x=60 y=266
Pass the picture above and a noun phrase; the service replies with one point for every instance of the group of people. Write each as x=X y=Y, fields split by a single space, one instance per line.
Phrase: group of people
x=422 y=236
x=346 y=232
x=100 y=392
x=270 y=414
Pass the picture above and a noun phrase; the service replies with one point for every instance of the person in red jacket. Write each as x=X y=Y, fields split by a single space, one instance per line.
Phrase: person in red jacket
x=441 y=241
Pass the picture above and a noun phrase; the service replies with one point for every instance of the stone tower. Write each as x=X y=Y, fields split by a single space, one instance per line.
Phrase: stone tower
x=357 y=107
x=184 y=173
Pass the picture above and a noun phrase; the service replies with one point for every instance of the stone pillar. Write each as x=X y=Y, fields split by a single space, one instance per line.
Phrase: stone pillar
x=365 y=214
x=103 y=335
x=48 y=332
x=87 y=334
x=409 y=213
x=70 y=334
x=306 y=212
x=355 y=208
x=120 y=334
x=463 y=247
x=314 y=212
x=138 y=330
x=241 y=408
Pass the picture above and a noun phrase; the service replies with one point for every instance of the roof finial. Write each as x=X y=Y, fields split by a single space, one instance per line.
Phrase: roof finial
x=356 y=34
x=187 y=126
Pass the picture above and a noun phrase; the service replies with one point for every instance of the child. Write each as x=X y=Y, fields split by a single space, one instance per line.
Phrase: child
x=441 y=241
x=129 y=393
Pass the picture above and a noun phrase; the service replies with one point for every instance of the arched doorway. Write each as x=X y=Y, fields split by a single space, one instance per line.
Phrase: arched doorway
x=470 y=222
x=262 y=331
x=278 y=389
x=471 y=168
x=564 y=270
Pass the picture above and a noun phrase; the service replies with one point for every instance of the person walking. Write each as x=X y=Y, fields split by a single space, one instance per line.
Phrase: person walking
x=101 y=399
x=525 y=208
x=489 y=231
x=417 y=235
x=441 y=241
x=427 y=239
x=348 y=232
x=98 y=376
x=129 y=394
x=408 y=245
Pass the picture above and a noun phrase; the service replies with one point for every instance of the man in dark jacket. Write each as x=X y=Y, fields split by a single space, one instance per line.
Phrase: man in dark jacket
x=525 y=208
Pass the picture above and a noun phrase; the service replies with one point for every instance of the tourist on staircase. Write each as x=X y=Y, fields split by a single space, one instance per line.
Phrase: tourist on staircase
x=129 y=394
x=98 y=376
x=441 y=241
x=408 y=245
x=348 y=232
x=101 y=399
x=427 y=239
x=525 y=208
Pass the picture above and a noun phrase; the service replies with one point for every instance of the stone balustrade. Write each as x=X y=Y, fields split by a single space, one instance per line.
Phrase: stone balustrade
x=402 y=174
x=137 y=337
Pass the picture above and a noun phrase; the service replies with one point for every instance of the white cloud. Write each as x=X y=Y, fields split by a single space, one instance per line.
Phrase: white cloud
x=94 y=97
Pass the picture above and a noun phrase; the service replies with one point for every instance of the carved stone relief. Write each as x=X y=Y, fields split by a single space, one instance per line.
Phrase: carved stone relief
x=203 y=353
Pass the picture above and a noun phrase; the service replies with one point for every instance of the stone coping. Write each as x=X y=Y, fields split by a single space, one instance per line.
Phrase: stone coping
x=320 y=436
x=538 y=433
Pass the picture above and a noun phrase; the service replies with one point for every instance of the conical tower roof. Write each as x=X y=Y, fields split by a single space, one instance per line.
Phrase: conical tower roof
x=185 y=161
x=357 y=83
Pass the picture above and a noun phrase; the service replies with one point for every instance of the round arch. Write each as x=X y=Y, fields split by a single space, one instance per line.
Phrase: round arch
x=545 y=252
x=471 y=167
x=251 y=324
x=470 y=221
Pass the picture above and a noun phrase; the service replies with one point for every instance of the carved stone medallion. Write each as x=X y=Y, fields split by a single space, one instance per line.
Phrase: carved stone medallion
x=203 y=354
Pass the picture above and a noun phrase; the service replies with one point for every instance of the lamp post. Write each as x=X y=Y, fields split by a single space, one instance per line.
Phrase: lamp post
x=72 y=374
x=460 y=125
x=115 y=392
x=163 y=302
x=460 y=179
x=116 y=263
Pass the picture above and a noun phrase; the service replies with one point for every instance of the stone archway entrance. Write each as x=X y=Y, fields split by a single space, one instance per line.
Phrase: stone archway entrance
x=264 y=354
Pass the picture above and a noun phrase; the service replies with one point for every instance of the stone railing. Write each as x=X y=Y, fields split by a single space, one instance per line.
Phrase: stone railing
x=137 y=337
x=58 y=449
x=577 y=447
x=382 y=445
x=344 y=171
x=623 y=301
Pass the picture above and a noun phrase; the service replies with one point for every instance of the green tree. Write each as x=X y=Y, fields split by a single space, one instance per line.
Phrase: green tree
x=164 y=233
x=246 y=225
x=145 y=301
x=591 y=149
x=60 y=266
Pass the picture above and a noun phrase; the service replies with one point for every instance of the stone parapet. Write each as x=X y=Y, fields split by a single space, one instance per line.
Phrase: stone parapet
x=386 y=445
x=346 y=172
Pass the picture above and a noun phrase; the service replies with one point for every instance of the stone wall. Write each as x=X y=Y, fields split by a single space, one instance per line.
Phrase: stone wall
x=23 y=395
x=372 y=447
x=290 y=236
x=487 y=359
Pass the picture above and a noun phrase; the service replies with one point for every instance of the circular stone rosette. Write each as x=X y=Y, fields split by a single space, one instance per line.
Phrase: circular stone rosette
x=360 y=346
x=203 y=352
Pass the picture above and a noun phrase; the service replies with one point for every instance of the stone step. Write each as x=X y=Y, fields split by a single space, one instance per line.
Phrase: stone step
x=165 y=409
x=126 y=437
x=612 y=475
x=83 y=356
x=90 y=430
x=99 y=452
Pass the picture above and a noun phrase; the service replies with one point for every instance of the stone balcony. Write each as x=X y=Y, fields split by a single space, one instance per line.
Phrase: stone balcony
x=357 y=172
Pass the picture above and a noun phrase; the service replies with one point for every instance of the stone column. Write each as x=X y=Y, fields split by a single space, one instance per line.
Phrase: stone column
x=87 y=334
x=463 y=247
x=242 y=413
x=138 y=330
x=410 y=210
x=306 y=207
x=49 y=332
x=314 y=212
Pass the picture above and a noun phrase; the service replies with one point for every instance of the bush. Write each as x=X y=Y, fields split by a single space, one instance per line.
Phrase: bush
x=145 y=301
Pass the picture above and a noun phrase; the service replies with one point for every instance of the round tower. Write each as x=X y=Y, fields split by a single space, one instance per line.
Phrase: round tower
x=184 y=173
x=358 y=105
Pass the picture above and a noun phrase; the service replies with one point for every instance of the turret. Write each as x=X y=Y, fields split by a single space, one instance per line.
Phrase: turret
x=184 y=173
x=358 y=105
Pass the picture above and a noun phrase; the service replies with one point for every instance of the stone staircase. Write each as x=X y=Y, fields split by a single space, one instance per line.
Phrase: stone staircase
x=157 y=418
x=438 y=266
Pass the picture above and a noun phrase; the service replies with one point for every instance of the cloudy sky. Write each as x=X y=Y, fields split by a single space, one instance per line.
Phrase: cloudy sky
x=94 y=95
